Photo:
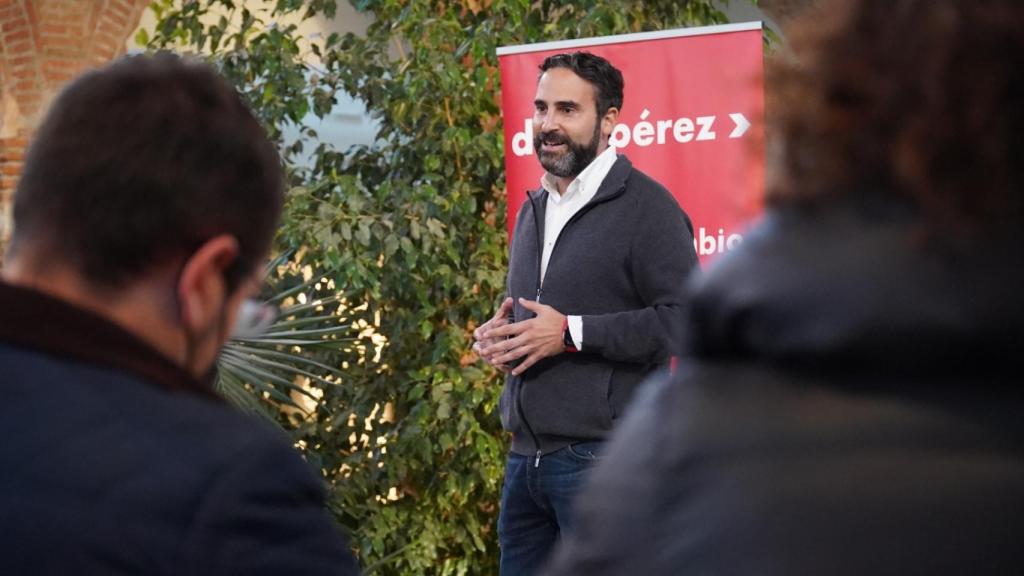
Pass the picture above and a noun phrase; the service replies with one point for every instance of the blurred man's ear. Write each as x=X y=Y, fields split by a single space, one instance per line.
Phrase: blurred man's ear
x=202 y=288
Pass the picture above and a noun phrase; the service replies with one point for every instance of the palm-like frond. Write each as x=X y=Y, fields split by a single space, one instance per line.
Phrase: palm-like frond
x=265 y=373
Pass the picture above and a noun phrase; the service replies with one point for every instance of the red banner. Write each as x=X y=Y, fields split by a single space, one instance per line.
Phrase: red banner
x=691 y=119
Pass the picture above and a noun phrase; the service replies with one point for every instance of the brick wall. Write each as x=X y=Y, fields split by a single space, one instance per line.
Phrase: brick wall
x=43 y=44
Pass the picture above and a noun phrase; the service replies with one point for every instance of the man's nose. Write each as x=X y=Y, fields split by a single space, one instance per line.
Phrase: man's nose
x=547 y=123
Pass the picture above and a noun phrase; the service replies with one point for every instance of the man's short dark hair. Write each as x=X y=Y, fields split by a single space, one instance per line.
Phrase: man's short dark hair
x=140 y=163
x=605 y=78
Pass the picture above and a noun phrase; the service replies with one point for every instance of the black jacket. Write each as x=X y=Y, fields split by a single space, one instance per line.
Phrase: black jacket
x=621 y=263
x=850 y=404
x=114 y=461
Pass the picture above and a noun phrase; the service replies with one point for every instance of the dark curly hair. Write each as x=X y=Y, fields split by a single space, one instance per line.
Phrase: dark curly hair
x=605 y=78
x=923 y=99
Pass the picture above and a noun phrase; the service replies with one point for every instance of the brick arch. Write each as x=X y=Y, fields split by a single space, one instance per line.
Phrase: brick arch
x=20 y=67
x=43 y=45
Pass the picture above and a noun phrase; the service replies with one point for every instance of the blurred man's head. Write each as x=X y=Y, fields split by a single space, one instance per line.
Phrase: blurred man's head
x=922 y=99
x=576 y=106
x=149 y=183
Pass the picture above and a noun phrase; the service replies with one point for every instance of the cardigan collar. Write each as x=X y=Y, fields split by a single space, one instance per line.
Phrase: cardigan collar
x=614 y=182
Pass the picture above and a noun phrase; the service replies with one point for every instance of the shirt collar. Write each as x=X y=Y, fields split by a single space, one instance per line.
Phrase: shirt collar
x=587 y=181
x=32 y=319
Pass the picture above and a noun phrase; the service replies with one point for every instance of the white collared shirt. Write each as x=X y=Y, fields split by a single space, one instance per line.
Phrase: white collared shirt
x=562 y=207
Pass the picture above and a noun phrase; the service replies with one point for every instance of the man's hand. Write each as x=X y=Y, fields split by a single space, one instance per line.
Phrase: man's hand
x=483 y=341
x=531 y=340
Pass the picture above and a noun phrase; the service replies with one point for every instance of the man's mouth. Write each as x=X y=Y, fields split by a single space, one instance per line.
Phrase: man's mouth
x=552 y=143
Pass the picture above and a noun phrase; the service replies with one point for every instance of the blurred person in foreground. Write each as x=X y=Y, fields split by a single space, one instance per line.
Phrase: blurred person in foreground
x=850 y=399
x=145 y=210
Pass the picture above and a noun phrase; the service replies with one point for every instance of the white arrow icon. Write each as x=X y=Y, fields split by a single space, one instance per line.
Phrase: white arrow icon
x=742 y=125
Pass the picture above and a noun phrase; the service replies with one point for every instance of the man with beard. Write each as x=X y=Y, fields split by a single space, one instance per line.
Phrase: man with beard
x=599 y=256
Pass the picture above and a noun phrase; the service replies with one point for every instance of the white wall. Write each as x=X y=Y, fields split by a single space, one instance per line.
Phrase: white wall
x=348 y=123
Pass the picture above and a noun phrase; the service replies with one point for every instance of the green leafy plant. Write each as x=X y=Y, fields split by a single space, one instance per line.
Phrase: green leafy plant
x=399 y=414
x=270 y=373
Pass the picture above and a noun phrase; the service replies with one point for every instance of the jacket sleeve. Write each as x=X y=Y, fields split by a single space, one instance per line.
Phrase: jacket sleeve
x=662 y=256
x=265 y=515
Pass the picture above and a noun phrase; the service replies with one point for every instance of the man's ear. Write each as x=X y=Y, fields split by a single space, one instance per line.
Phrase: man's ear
x=608 y=121
x=201 y=286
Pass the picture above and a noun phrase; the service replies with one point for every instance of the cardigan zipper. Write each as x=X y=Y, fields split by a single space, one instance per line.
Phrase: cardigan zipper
x=519 y=391
x=540 y=289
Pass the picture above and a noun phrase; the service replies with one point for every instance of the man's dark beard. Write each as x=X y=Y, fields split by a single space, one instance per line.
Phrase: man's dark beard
x=576 y=157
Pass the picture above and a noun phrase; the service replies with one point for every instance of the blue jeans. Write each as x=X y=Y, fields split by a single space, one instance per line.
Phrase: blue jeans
x=536 y=504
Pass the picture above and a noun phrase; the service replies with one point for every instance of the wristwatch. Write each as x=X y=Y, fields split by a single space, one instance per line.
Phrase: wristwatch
x=567 y=341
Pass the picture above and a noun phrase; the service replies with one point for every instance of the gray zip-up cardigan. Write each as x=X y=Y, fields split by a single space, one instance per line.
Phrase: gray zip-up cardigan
x=620 y=263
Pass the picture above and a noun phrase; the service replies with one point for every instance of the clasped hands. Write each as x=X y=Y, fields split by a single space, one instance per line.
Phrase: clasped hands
x=499 y=342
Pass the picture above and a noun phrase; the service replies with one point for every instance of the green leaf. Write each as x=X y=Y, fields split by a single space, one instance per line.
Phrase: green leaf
x=411 y=231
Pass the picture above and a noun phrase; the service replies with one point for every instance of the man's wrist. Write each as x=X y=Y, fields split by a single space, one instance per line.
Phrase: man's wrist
x=567 y=341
